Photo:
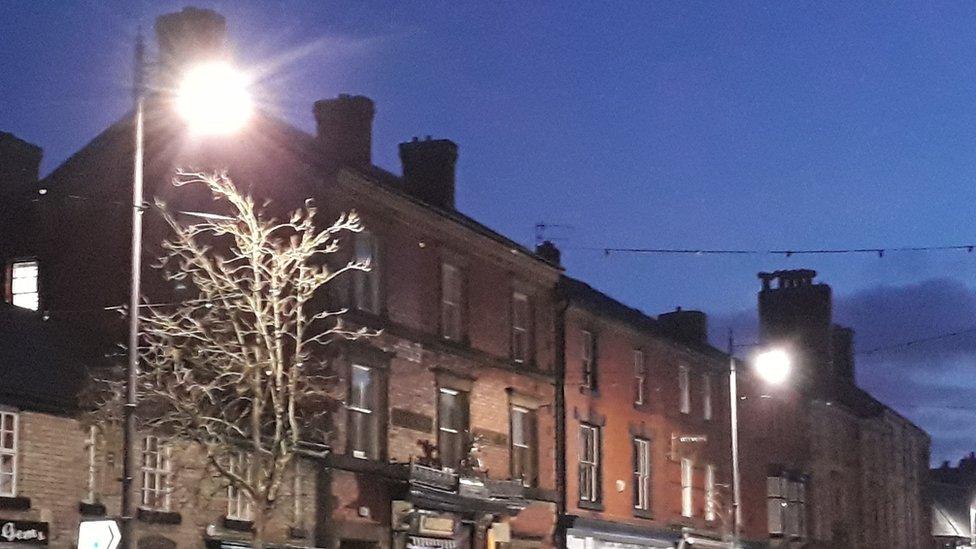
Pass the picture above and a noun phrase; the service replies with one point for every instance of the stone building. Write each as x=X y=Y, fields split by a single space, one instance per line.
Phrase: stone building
x=646 y=427
x=443 y=435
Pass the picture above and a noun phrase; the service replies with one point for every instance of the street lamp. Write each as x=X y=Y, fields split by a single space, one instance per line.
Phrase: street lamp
x=213 y=99
x=773 y=366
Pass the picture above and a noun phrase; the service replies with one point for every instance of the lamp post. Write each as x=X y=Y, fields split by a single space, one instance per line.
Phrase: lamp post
x=772 y=366
x=212 y=99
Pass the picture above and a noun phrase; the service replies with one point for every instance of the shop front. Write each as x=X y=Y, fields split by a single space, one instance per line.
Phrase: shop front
x=584 y=533
x=22 y=534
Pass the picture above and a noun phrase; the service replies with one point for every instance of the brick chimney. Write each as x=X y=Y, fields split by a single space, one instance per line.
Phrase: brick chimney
x=843 y=353
x=548 y=251
x=345 y=129
x=189 y=36
x=690 y=326
x=428 y=170
x=20 y=163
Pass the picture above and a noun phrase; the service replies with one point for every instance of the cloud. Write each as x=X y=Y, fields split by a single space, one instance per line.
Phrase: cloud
x=933 y=382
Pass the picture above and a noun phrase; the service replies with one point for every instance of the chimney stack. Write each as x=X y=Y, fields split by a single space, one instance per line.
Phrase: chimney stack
x=689 y=326
x=20 y=163
x=345 y=129
x=189 y=36
x=428 y=170
x=843 y=353
x=548 y=251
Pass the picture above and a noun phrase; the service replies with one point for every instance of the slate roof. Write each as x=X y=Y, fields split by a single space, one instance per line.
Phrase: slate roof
x=41 y=366
x=950 y=510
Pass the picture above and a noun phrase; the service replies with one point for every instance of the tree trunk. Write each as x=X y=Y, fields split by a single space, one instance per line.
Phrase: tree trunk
x=260 y=528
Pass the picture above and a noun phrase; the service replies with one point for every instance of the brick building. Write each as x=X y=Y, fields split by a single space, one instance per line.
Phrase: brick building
x=953 y=491
x=444 y=433
x=646 y=427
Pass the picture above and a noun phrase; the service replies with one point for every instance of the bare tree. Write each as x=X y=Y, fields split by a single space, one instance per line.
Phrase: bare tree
x=236 y=369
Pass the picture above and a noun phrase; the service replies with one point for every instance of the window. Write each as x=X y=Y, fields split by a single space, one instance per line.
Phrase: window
x=366 y=284
x=23 y=284
x=589 y=463
x=91 y=451
x=452 y=419
x=707 y=397
x=524 y=445
x=786 y=507
x=588 y=354
x=684 y=391
x=521 y=322
x=687 y=482
x=155 y=474
x=366 y=418
x=642 y=474
x=640 y=376
x=8 y=453
x=452 y=292
x=710 y=496
x=238 y=502
x=298 y=492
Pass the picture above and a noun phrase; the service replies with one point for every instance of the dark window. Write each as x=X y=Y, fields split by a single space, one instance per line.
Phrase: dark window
x=525 y=450
x=366 y=284
x=521 y=328
x=452 y=420
x=588 y=354
x=589 y=463
x=366 y=419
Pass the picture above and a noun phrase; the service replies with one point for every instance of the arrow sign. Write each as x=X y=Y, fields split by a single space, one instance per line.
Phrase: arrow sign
x=98 y=534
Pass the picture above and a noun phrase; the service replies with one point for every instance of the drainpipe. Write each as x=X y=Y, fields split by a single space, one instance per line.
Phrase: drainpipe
x=560 y=409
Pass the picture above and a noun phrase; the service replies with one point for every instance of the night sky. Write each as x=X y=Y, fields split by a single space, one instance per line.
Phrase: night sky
x=644 y=124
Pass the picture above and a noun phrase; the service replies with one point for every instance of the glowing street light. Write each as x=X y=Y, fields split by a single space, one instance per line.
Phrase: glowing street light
x=773 y=366
x=213 y=99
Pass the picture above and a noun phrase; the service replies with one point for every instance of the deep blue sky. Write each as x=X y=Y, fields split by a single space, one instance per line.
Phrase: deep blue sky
x=648 y=124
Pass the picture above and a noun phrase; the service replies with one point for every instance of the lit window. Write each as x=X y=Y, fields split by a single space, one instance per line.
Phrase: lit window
x=364 y=412
x=640 y=376
x=23 y=284
x=524 y=447
x=91 y=449
x=8 y=453
x=452 y=419
x=707 y=397
x=451 y=302
x=589 y=463
x=684 y=390
x=786 y=506
x=710 y=495
x=521 y=319
x=588 y=359
x=642 y=474
x=155 y=474
x=238 y=502
x=366 y=284
x=687 y=482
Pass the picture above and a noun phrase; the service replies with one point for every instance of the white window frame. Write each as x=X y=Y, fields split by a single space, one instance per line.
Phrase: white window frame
x=587 y=358
x=520 y=327
x=9 y=452
x=642 y=474
x=640 y=377
x=452 y=297
x=25 y=284
x=687 y=487
x=710 y=495
x=156 y=469
x=361 y=408
x=707 y=396
x=684 y=389
x=776 y=505
x=589 y=488
x=91 y=450
x=238 y=504
x=366 y=284
x=298 y=483
x=526 y=441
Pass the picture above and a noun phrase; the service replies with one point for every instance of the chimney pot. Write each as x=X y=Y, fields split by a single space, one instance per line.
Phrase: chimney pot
x=429 y=170
x=345 y=129
x=689 y=326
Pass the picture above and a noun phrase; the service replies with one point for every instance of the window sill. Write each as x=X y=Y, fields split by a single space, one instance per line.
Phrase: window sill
x=91 y=509
x=15 y=503
x=158 y=517
x=643 y=513
x=590 y=505
x=238 y=525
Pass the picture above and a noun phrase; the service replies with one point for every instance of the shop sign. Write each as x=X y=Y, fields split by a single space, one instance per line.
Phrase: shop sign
x=436 y=525
x=23 y=531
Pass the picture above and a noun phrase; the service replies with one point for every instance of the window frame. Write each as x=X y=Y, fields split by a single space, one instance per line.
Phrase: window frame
x=687 y=487
x=452 y=281
x=371 y=411
x=239 y=506
x=161 y=471
x=640 y=377
x=710 y=493
x=521 y=335
x=590 y=437
x=641 y=475
x=367 y=285
x=456 y=433
x=12 y=278
x=684 y=389
x=707 y=408
x=588 y=359
x=12 y=452
x=529 y=476
x=91 y=452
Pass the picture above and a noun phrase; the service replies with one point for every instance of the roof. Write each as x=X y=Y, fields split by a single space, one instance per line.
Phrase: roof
x=597 y=302
x=950 y=510
x=38 y=362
